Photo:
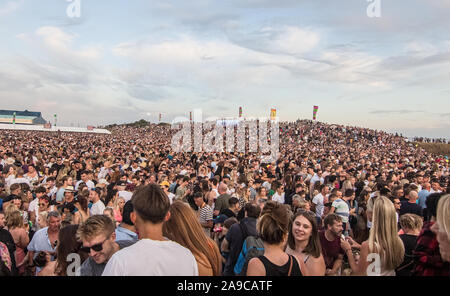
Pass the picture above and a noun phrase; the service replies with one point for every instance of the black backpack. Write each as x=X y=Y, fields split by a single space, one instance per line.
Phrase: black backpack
x=251 y=248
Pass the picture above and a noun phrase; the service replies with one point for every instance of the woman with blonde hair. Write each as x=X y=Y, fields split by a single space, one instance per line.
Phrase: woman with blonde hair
x=383 y=241
x=184 y=228
x=346 y=185
x=14 y=222
x=119 y=203
x=243 y=194
x=442 y=227
x=41 y=220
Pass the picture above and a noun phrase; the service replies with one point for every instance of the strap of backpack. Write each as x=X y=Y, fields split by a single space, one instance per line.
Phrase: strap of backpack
x=290 y=267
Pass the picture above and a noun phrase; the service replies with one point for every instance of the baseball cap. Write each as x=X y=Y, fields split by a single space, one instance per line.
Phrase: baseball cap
x=165 y=183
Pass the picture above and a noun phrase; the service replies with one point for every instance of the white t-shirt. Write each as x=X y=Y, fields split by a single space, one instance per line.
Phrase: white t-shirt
x=89 y=184
x=278 y=198
x=33 y=205
x=97 y=208
x=171 y=197
x=318 y=201
x=127 y=195
x=152 y=258
x=19 y=181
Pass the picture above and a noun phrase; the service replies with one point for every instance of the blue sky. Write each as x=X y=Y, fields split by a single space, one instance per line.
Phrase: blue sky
x=126 y=60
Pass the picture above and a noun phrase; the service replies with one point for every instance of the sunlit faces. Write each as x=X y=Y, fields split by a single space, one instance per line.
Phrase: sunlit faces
x=101 y=247
x=301 y=229
x=336 y=229
x=54 y=224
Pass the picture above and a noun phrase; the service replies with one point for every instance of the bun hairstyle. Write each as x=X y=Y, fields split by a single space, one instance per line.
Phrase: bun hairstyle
x=273 y=225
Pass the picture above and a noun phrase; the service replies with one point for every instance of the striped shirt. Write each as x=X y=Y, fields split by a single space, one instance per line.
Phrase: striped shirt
x=342 y=209
x=205 y=214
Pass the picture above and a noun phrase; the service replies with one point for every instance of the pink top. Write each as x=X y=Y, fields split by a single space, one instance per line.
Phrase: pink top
x=117 y=216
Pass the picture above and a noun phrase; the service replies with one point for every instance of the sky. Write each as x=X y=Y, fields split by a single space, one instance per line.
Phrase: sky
x=121 y=61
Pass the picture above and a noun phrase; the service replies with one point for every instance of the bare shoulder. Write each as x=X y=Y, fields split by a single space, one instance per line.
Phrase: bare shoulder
x=255 y=268
x=365 y=245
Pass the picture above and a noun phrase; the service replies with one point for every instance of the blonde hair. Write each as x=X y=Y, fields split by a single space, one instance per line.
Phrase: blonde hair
x=184 y=228
x=14 y=220
x=442 y=214
x=383 y=238
x=411 y=222
x=302 y=203
x=346 y=185
x=94 y=226
x=116 y=202
x=43 y=215
x=10 y=208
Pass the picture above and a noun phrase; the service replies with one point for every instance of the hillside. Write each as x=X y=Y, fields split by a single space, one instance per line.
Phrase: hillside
x=436 y=148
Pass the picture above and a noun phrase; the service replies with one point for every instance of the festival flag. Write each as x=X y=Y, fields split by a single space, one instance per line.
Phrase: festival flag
x=190 y=116
x=240 y=112
x=159 y=116
x=316 y=108
x=273 y=114
x=90 y=128
x=14 y=118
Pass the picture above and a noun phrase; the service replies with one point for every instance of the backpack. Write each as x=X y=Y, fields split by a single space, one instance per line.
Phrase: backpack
x=251 y=248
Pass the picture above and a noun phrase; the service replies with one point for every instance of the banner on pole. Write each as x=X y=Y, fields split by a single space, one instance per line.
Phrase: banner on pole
x=14 y=118
x=316 y=108
x=273 y=114
x=240 y=112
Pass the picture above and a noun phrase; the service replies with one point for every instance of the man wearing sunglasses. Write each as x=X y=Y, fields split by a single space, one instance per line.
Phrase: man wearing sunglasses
x=98 y=236
x=153 y=254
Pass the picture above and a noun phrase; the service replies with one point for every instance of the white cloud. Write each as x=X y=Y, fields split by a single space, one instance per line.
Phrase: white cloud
x=420 y=49
x=59 y=41
x=10 y=7
x=292 y=40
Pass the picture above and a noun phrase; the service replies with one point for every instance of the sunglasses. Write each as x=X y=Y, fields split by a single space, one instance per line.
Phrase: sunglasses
x=42 y=204
x=97 y=248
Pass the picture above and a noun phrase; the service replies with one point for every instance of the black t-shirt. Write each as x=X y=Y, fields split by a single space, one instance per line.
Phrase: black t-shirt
x=406 y=268
x=288 y=194
x=410 y=208
x=229 y=213
x=235 y=238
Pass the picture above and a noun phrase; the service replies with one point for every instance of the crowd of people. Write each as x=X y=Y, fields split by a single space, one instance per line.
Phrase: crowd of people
x=337 y=201
x=429 y=140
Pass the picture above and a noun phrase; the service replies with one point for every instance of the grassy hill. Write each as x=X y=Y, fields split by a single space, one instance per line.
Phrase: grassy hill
x=436 y=148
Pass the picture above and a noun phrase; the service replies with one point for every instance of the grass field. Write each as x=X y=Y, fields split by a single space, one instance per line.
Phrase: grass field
x=436 y=148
